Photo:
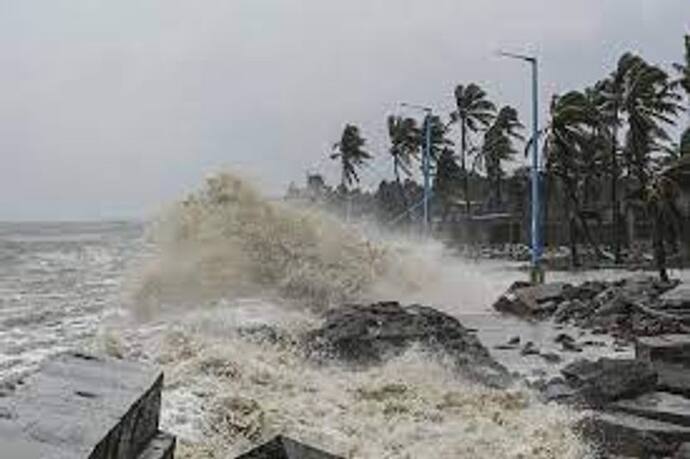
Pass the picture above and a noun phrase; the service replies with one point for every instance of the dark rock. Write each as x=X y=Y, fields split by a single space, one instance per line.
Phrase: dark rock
x=673 y=378
x=683 y=452
x=607 y=380
x=285 y=448
x=568 y=343
x=674 y=349
x=633 y=436
x=586 y=291
x=369 y=334
x=505 y=347
x=557 y=390
x=677 y=298
x=660 y=406
x=564 y=337
x=513 y=343
x=535 y=301
x=529 y=349
x=518 y=285
x=650 y=286
x=551 y=357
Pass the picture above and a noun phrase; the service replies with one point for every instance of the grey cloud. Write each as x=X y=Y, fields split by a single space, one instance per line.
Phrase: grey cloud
x=109 y=109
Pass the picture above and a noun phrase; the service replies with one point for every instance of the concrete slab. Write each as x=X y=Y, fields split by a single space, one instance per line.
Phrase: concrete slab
x=678 y=297
x=673 y=349
x=285 y=448
x=660 y=406
x=673 y=378
x=80 y=406
x=633 y=436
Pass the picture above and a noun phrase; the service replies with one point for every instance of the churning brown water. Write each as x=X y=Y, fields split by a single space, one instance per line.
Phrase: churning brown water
x=225 y=260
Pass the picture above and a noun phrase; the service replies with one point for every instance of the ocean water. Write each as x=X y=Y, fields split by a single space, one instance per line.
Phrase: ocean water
x=57 y=282
x=184 y=291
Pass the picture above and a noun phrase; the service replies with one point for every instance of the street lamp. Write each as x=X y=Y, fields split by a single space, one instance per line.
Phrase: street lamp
x=537 y=274
x=426 y=161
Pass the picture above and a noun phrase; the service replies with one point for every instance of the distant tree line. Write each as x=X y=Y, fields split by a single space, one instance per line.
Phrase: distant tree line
x=614 y=138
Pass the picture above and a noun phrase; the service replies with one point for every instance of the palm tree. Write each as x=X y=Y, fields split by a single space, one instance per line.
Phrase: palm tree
x=473 y=112
x=405 y=138
x=351 y=154
x=661 y=199
x=498 y=147
x=651 y=103
x=439 y=140
x=568 y=137
x=612 y=92
x=446 y=181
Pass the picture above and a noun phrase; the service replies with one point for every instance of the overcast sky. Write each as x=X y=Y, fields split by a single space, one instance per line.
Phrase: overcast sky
x=109 y=109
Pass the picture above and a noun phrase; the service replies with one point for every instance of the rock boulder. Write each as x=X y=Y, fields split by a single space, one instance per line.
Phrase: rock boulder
x=607 y=380
x=370 y=334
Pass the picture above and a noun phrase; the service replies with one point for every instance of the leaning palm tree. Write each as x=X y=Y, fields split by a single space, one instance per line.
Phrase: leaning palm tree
x=651 y=103
x=350 y=151
x=439 y=137
x=612 y=96
x=498 y=147
x=567 y=140
x=446 y=181
x=405 y=139
x=473 y=112
x=661 y=198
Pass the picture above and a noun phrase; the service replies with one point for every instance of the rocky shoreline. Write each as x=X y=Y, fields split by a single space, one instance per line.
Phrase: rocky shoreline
x=632 y=406
x=635 y=407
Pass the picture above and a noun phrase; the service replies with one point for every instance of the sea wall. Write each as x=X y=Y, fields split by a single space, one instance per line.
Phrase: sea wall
x=80 y=406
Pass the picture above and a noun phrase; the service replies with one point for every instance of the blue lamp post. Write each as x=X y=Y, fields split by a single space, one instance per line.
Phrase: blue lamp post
x=537 y=273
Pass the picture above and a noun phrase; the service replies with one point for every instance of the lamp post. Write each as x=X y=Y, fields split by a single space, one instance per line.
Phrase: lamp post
x=426 y=163
x=537 y=273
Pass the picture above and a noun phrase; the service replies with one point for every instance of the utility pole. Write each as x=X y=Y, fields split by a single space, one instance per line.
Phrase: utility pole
x=537 y=273
x=426 y=164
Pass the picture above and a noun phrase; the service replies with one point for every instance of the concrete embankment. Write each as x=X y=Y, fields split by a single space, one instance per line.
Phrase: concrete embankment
x=79 y=406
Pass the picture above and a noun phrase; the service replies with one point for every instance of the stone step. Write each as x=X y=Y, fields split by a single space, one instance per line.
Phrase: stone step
x=162 y=446
x=633 y=436
x=660 y=406
x=78 y=406
x=673 y=378
x=673 y=348
x=677 y=297
x=282 y=447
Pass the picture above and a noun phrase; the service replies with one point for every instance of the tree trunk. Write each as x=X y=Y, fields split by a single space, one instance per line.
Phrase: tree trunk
x=658 y=245
x=615 y=207
x=572 y=230
x=401 y=190
x=466 y=181
x=583 y=221
x=572 y=235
